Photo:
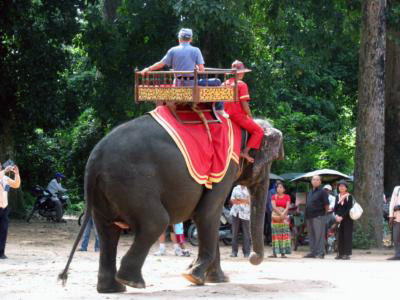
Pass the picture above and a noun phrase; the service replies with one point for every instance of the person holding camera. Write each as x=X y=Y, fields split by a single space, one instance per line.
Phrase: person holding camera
x=5 y=184
x=394 y=221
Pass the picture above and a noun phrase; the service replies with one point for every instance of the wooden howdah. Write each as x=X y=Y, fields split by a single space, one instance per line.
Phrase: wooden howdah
x=183 y=86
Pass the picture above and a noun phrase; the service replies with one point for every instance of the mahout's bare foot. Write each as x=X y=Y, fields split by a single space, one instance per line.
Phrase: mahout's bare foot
x=246 y=156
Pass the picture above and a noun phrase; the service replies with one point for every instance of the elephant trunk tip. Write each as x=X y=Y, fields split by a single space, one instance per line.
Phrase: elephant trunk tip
x=256 y=259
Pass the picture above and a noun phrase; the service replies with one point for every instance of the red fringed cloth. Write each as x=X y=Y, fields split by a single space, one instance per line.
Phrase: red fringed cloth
x=207 y=162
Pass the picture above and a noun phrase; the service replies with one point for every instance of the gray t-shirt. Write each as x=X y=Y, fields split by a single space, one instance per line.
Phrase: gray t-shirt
x=184 y=57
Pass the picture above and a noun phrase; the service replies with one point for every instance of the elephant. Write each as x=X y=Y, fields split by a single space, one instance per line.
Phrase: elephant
x=137 y=175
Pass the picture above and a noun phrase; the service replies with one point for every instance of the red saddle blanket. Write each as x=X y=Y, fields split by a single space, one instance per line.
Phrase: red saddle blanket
x=207 y=161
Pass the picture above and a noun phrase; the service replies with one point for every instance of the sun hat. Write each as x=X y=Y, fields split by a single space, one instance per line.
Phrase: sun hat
x=328 y=187
x=343 y=182
x=239 y=66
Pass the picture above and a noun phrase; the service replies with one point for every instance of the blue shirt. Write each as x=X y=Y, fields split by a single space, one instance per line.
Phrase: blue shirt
x=184 y=57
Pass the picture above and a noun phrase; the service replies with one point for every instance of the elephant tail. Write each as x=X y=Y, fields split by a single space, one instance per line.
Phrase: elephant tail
x=90 y=182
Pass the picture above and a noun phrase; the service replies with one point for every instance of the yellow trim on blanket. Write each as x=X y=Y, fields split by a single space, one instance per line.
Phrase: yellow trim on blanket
x=198 y=178
x=214 y=177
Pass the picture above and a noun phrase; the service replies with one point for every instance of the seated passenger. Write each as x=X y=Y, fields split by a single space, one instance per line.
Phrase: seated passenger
x=239 y=111
x=184 y=57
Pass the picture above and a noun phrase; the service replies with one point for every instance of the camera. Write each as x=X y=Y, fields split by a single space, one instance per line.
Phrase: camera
x=8 y=163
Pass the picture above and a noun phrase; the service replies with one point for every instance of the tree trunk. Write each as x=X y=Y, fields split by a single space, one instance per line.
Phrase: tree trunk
x=110 y=10
x=368 y=172
x=392 y=111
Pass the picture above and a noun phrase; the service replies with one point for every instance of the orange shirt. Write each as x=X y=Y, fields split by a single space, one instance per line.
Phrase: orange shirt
x=235 y=109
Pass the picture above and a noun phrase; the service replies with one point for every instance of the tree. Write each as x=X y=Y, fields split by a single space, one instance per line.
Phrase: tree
x=309 y=91
x=34 y=39
x=369 y=157
x=392 y=98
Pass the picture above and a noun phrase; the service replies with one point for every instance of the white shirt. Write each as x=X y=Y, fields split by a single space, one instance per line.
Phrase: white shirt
x=5 y=184
x=394 y=201
x=3 y=191
x=331 y=202
x=240 y=210
x=54 y=187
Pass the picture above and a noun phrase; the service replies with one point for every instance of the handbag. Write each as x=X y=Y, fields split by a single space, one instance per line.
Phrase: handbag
x=276 y=217
x=356 y=211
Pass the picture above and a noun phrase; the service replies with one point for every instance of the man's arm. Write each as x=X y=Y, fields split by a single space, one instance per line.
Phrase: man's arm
x=200 y=61
x=157 y=66
x=246 y=108
x=17 y=180
x=325 y=199
x=391 y=206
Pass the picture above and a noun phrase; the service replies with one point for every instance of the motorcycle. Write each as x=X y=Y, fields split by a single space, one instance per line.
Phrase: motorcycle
x=46 y=207
x=297 y=227
x=225 y=230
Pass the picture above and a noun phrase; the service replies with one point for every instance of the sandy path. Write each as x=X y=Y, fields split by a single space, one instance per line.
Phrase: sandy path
x=38 y=252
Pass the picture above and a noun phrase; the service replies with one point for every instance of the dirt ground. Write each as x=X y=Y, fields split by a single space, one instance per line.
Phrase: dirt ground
x=38 y=252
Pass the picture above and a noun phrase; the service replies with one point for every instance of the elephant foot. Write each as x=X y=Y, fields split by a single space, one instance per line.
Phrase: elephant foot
x=134 y=284
x=194 y=279
x=111 y=287
x=216 y=277
x=255 y=259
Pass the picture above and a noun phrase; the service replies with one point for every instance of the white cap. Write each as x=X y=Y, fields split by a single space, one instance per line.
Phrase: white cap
x=185 y=33
x=328 y=187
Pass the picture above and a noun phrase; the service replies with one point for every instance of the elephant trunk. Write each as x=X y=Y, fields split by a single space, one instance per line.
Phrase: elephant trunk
x=258 y=201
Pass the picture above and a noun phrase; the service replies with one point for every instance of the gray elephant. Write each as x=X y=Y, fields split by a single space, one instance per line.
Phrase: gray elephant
x=137 y=175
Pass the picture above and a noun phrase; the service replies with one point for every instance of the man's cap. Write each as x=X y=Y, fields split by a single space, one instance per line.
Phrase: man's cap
x=185 y=33
x=239 y=66
x=328 y=187
x=59 y=175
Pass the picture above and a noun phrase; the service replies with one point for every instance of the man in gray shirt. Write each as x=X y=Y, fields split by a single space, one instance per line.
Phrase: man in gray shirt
x=183 y=57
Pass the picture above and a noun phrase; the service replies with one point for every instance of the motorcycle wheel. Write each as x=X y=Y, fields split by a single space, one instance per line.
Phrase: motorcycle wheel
x=59 y=211
x=295 y=238
x=191 y=235
x=227 y=241
x=80 y=218
x=28 y=219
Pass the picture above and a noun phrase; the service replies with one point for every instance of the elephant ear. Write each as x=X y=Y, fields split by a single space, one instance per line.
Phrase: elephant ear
x=271 y=147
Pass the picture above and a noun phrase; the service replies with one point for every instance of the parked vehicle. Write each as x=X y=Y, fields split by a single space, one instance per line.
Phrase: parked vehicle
x=297 y=227
x=331 y=240
x=225 y=229
x=46 y=206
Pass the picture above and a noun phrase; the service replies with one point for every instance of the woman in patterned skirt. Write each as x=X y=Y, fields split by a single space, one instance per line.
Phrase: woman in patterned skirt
x=281 y=242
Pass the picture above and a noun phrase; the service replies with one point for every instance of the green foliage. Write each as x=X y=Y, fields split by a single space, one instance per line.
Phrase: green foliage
x=362 y=239
x=67 y=73
x=394 y=15
x=304 y=60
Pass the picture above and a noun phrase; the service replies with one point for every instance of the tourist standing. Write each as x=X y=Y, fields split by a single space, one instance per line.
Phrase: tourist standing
x=343 y=205
x=281 y=241
x=394 y=221
x=240 y=213
x=317 y=205
x=5 y=184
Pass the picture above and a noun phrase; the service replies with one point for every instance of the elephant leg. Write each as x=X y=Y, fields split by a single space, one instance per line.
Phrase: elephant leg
x=147 y=231
x=109 y=235
x=206 y=217
x=214 y=272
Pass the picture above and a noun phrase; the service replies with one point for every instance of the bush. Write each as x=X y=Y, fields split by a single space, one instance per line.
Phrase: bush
x=362 y=239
